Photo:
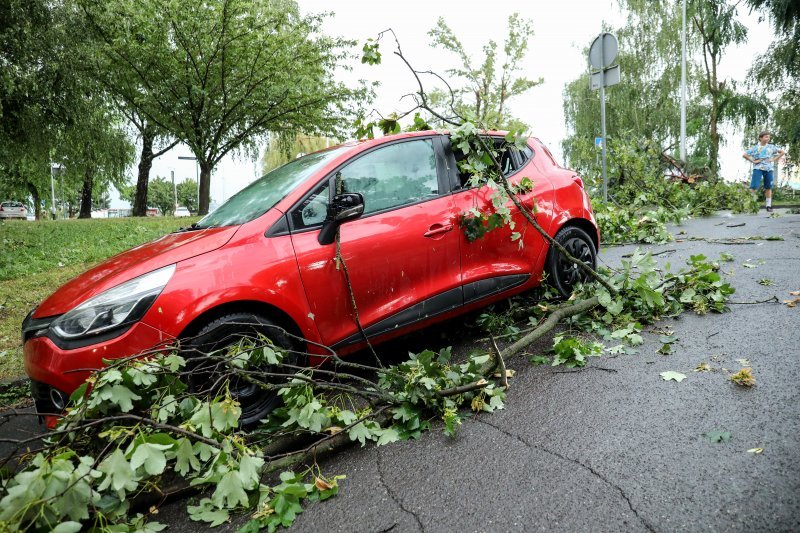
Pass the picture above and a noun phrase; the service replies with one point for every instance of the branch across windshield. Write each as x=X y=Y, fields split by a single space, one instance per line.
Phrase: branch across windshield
x=261 y=195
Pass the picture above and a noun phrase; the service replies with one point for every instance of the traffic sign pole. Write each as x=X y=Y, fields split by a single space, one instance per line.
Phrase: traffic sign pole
x=603 y=118
x=602 y=53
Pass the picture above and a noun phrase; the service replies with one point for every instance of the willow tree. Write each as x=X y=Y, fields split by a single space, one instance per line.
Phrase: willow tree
x=717 y=27
x=645 y=105
x=219 y=75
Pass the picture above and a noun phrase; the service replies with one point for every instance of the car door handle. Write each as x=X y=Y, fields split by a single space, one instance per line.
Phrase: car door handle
x=438 y=229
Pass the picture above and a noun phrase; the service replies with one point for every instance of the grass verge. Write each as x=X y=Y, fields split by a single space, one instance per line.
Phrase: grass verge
x=38 y=257
x=32 y=247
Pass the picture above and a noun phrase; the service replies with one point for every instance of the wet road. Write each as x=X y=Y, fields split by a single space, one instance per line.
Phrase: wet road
x=611 y=447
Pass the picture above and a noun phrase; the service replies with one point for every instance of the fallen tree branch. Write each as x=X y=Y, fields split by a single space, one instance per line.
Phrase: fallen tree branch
x=501 y=364
x=547 y=326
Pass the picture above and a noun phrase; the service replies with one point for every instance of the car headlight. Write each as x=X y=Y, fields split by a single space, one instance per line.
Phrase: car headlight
x=121 y=305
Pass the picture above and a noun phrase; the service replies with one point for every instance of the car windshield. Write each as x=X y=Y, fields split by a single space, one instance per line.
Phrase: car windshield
x=258 y=197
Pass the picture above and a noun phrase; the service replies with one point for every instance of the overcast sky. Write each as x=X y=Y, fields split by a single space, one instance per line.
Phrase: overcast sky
x=562 y=29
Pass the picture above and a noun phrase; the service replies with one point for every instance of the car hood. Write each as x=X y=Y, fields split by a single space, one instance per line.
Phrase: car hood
x=144 y=258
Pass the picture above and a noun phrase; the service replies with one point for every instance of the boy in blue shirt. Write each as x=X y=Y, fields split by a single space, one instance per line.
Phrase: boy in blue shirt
x=763 y=155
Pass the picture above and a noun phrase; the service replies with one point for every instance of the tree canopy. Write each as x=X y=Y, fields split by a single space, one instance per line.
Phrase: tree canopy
x=645 y=108
x=220 y=75
x=482 y=91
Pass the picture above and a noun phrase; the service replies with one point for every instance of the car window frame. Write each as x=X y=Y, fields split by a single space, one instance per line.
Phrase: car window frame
x=452 y=166
x=442 y=171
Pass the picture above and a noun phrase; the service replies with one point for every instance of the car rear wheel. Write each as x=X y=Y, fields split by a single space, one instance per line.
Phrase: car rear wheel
x=207 y=376
x=564 y=274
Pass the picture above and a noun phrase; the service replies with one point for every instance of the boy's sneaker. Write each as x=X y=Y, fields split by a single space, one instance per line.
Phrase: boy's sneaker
x=769 y=209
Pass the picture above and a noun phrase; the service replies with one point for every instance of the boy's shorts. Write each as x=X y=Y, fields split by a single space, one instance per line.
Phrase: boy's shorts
x=755 y=182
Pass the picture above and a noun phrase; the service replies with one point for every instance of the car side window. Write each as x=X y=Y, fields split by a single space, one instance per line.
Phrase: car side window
x=313 y=210
x=507 y=161
x=392 y=176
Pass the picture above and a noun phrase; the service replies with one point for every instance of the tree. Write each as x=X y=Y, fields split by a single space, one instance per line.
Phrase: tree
x=35 y=92
x=482 y=96
x=716 y=24
x=150 y=135
x=160 y=194
x=187 y=195
x=219 y=75
x=52 y=111
x=646 y=105
x=778 y=70
x=645 y=108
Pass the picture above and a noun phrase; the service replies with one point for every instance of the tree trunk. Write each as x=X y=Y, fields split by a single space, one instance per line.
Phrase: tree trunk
x=714 y=155
x=145 y=164
x=205 y=188
x=37 y=200
x=86 y=196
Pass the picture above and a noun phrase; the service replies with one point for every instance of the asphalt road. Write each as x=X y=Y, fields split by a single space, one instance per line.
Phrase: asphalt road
x=611 y=447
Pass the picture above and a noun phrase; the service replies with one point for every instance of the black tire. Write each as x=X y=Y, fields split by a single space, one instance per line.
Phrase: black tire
x=564 y=274
x=228 y=330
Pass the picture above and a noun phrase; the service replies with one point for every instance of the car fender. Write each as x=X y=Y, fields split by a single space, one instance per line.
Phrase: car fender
x=233 y=279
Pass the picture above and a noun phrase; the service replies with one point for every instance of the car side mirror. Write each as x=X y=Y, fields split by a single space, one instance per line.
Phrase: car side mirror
x=347 y=206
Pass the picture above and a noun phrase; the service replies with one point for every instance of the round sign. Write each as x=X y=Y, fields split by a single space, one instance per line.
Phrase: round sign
x=603 y=51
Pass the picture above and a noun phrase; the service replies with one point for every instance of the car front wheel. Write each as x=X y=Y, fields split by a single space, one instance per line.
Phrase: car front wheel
x=564 y=274
x=208 y=375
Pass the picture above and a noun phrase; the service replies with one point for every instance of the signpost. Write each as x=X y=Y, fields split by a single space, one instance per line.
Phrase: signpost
x=602 y=53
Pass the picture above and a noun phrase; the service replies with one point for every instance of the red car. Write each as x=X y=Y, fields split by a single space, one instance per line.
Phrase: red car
x=267 y=257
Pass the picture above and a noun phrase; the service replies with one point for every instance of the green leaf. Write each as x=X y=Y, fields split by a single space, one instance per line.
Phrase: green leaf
x=386 y=436
x=120 y=476
x=672 y=375
x=230 y=492
x=151 y=456
x=225 y=415
x=360 y=432
x=67 y=527
x=249 y=469
x=124 y=397
x=205 y=512
x=185 y=458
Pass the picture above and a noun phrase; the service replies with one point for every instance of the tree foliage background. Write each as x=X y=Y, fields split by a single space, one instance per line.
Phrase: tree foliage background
x=644 y=110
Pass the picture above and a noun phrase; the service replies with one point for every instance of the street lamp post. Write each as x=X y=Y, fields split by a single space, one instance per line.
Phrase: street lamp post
x=683 y=86
x=174 y=188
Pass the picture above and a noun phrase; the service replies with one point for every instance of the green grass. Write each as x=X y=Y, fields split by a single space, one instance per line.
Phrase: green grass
x=38 y=257
x=32 y=247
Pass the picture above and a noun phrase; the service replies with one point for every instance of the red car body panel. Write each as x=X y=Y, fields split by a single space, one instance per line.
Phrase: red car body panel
x=169 y=249
x=250 y=268
x=410 y=258
x=391 y=263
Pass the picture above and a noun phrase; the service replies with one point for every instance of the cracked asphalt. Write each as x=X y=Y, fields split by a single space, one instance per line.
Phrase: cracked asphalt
x=611 y=447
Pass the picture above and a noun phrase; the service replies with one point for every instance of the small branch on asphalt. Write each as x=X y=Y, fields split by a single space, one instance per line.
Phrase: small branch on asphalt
x=586 y=368
x=501 y=364
x=774 y=299
x=655 y=254
x=735 y=225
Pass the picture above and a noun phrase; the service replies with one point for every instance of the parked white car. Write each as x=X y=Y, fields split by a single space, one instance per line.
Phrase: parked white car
x=182 y=212
x=11 y=209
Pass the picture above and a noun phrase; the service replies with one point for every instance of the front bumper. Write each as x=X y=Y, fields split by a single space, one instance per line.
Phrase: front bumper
x=67 y=369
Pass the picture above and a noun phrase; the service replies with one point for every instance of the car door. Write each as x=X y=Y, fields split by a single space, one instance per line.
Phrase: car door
x=496 y=263
x=402 y=255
